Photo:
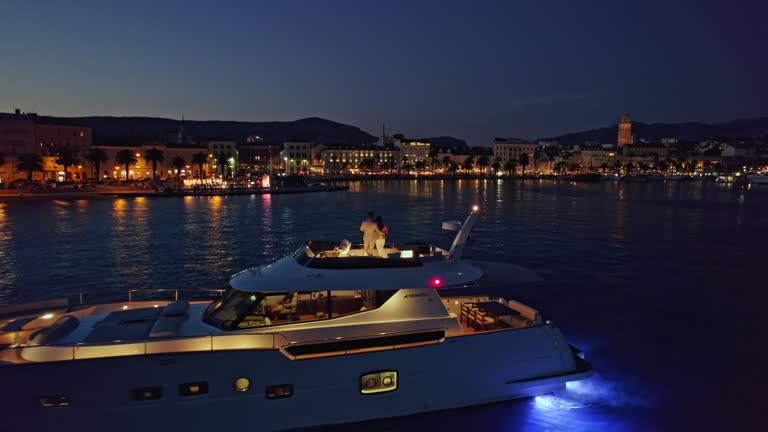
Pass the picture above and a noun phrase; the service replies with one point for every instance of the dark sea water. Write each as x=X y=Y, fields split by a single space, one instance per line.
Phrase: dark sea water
x=662 y=284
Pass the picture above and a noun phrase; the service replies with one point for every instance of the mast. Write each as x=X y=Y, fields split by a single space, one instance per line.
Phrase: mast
x=457 y=248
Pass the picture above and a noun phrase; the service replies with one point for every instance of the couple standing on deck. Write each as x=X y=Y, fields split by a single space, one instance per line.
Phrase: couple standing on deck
x=374 y=234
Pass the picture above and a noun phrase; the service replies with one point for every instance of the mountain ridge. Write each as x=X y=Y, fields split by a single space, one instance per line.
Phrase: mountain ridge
x=749 y=127
x=121 y=130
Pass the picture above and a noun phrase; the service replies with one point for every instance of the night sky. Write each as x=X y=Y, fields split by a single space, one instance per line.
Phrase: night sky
x=470 y=69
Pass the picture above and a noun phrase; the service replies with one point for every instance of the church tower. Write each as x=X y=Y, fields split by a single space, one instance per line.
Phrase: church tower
x=625 y=131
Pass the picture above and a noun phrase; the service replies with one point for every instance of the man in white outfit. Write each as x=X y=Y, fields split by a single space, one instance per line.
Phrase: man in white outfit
x=368 y=227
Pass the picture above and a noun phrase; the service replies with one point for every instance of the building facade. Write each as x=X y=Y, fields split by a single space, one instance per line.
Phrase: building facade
x=412 y=151
x=594 y=159
x=512 y=148
x=27 y=133
x=344 y=159
x=297 y=156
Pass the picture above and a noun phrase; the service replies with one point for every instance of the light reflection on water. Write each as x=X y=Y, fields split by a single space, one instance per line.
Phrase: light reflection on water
x=642 y=276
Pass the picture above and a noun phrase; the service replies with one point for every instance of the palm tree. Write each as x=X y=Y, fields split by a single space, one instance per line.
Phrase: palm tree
x=96 y=156
x=178 y=162
x=433 y=157
x=469 y=163
x=222 y=160
x=446 y=162
x=524 y=161
x=452 y=167
x=604 y=167
x=482 y=163
x=67 y=158
x=126 y=158
x=510 y=166
x=496 y=165
x=663 y=166
x=200 y=159
x=617 y=165
x=628 y=167
x=420 y=165
x=559 y=167
x=154 y=155
x=29 y=163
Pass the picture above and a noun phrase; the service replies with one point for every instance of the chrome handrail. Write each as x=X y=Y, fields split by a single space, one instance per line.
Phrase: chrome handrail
x=131 y=292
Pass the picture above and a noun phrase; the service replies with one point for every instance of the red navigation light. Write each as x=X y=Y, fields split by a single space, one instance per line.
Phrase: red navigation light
x=436 y=282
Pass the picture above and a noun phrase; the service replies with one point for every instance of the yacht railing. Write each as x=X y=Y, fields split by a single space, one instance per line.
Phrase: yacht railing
x=219 y=342
x=83 y=297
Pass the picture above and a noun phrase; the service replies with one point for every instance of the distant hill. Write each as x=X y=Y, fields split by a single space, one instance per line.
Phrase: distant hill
x=121 y=130
x=691 y=131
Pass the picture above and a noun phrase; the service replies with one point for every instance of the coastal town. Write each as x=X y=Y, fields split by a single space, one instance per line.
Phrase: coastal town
x=37 y=154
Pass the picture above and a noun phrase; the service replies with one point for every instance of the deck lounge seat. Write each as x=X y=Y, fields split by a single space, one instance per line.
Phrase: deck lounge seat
x=130 y=316
x=63 y=326
x=136 y=330
x=175 y=309
x=166 y=327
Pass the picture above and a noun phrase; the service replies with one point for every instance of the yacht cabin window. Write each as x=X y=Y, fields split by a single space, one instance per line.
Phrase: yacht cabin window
x=241 y=309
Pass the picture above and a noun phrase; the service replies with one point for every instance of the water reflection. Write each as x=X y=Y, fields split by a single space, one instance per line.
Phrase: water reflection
x=7 y=254
x=681 y=252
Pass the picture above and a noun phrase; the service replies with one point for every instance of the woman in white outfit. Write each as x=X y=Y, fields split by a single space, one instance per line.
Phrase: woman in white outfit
x=381 y=236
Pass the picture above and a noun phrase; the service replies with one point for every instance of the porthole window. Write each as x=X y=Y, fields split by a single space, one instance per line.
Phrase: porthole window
x=242 y=384
x=147 y=393
x=193 y=389
x=281 y=391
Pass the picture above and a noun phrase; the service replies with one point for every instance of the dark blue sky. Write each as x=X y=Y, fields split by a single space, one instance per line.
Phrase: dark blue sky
x=471 y=69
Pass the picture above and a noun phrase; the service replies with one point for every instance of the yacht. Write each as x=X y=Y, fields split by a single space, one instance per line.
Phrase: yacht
x=326 y=335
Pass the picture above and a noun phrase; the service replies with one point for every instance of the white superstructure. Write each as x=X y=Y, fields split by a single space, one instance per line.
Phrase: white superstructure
x=326 y=335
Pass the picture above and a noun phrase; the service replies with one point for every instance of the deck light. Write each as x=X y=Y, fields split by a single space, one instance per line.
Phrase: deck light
x=475 y=208
x=436 y=282
x=47 y=316
x=125 y=307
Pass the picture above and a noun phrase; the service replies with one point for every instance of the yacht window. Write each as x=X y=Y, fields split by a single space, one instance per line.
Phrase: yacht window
x=349 y=302
x=302 y=255
x=241 y=309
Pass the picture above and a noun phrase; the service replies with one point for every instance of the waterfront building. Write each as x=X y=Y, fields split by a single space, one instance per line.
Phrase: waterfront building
x=223 y=148
x=625 y=131
x=297 y=156
x=413 y=151
x=645 y=150
x=512 y=148
x=30 y=133
x=595 y=158
x=259 y=155
x=353 y=159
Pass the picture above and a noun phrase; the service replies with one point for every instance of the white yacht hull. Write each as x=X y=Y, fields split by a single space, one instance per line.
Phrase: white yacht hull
x=459 y=371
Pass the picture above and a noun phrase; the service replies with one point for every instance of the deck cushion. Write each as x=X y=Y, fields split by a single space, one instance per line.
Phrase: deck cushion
x=63 y=326
x=175 y=309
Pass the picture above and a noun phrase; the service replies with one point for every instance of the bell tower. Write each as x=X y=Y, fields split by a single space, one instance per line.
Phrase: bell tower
x=625 y=131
